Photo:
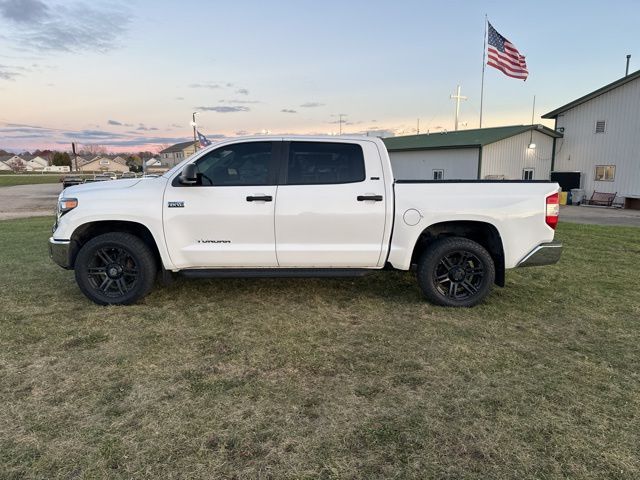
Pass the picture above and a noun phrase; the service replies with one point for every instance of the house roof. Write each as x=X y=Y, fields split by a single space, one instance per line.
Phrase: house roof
x=462 y=138
x=178 y=147
x=596 y=93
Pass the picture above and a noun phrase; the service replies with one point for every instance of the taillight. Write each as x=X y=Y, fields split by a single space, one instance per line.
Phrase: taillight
x=553 y=210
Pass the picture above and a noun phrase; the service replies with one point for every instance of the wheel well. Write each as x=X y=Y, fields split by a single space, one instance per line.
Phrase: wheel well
x=483 y=233
x=87 y=231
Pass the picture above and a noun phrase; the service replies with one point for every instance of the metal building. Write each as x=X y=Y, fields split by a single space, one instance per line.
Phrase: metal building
x=602 y=139
x=511 y=153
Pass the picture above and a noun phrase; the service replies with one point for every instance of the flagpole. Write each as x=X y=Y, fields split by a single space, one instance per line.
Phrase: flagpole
x=484 y=62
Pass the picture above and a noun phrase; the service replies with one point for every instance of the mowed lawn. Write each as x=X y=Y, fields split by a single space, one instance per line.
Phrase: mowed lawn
x=9 y=180
x=327 y=378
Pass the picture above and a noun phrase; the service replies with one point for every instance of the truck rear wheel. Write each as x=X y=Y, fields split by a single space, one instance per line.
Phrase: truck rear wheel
x=115 y=269
x=456 y=272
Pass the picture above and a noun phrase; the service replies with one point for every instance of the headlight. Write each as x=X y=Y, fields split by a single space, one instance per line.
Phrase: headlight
x=66 y=204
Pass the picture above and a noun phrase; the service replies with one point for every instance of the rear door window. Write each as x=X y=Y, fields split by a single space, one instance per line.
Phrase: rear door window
x=319 y=163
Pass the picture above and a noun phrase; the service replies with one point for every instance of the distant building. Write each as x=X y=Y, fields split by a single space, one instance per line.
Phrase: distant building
x=103 y=164
x=602 y=139
x=16 y=163
x=512 y=153
x=3 y=166
x=35 y=162
x=176 y=153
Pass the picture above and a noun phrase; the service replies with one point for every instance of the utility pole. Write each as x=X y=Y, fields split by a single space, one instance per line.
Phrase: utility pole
x=457 y=97
x=418 y=127
x=75 y=155
x=341 y=115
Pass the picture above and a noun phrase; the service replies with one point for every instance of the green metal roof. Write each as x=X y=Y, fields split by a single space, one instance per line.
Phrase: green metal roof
x=462 y=138
x=592 y=95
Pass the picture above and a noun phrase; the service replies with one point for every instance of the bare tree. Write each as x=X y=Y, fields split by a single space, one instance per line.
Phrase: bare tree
x=17 y=165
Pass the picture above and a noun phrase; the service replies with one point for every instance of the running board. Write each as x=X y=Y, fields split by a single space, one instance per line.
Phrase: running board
x=274 y=272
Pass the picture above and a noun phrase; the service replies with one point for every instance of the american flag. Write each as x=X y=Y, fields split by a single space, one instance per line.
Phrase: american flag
x=204 y=141
x=504 y=56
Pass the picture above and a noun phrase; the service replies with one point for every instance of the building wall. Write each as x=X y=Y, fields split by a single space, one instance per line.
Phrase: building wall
x=509 y=157
x=582 y=149
x=103 y=165
x=173 y=158
x=460 y=163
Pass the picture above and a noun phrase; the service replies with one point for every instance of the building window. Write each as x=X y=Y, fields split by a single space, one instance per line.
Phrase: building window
x=601 y=125
x=527 y=173
x=605 y=173
x=438 y=174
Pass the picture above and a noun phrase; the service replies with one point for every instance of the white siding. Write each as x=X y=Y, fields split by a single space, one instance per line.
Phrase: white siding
x=582 y=149
x=509 y=157
x=460 y=163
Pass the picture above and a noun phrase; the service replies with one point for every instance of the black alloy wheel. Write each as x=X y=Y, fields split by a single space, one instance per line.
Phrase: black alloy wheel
x=115 y=269
x=455 y=272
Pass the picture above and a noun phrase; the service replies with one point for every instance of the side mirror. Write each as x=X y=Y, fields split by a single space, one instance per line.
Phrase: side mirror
x=189 y=175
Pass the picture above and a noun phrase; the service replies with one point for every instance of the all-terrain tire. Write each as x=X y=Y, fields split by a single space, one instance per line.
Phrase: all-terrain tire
x=115 y=269
x=455 y=272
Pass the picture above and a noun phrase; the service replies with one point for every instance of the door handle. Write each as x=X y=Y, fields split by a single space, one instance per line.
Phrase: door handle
x=375 y=198
x=259 y=198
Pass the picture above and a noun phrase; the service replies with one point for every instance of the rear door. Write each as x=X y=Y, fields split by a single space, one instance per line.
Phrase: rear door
x=227 y=219
x=330 y=210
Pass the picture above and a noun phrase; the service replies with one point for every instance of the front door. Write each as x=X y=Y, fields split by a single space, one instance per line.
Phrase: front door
x=331 y=206
x=227 y=218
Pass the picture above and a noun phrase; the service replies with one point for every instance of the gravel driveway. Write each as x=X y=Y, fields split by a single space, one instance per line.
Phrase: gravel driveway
x=23 y=201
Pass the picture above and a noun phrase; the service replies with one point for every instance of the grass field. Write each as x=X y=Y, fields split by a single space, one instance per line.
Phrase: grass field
x=11 y=180
x=349 y=378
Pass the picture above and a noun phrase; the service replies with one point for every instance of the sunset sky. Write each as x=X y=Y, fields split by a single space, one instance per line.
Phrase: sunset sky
x=129 y=74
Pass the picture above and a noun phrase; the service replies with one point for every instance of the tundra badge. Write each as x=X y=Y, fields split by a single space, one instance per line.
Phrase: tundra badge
x=179 y=204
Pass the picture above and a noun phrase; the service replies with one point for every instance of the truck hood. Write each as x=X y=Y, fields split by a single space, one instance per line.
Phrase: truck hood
x=106 y=185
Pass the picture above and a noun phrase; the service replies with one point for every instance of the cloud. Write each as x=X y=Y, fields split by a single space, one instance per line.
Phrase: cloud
x=210 y=85
x=99 y=135
x=71 y=27
x=24 y=11
x=312 y=105
x=242 y=91
x=240 y=102
x=8 y=73
x=179 y=98
x=24 y=135
x=288 y=110
x=223 y=109
x=118 y=123
x=144 y=128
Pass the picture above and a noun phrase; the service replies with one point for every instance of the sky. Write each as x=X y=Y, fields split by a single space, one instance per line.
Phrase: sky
x=127 y=75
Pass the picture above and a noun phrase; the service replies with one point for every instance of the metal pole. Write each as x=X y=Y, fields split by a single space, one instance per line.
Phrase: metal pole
x=533 y=112
x=195 y=140
x=627 y=70
x=484 y=61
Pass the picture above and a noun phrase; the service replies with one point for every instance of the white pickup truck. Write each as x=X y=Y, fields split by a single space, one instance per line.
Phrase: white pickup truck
x=301 y=206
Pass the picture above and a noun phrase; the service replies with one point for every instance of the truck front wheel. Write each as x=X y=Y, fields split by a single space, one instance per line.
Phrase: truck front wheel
x=115 y=269
x=455 y=272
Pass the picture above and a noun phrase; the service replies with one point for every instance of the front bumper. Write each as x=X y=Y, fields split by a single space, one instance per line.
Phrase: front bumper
x=543 y=254
x=59 y=252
